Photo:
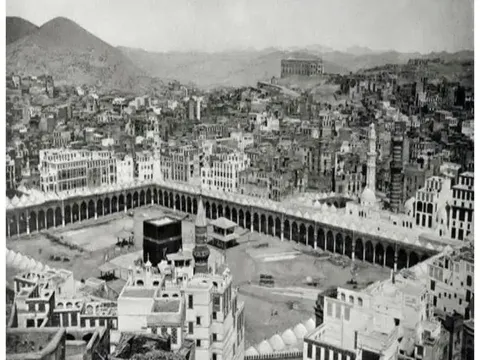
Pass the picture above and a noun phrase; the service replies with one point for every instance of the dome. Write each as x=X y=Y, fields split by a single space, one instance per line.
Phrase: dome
x=277 y=343
x=251 y=351
x=289 y=337
x=264 y=348
x=309 y=324
x=368 y=197
x=300 y=331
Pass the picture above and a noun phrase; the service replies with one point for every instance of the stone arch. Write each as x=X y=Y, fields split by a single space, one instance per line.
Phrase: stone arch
x=170 y=201
x=286 y=230
x=278 y=227
x=321 y=239
x=12 y=220
x=402 y=259
x=189 y=204
x=156 y=196
x=430 y=208
x=419 y=206
x=41 y=220
x=207 y=210
x=129 y=201
x=135 y=199
x=256 y=222
x=114 y=204
x=303 y=234
x=33 y=221
x=241 y=217
x=359 y=249
x=227 y=212
x=339 y=243
x=165 y=199
x=121 y=202
x=368 y=251
x=22 y=223
x=311 y=236
x=50 y=216
x=413 y=259
x=234 y=215
x=379 y=254
x=219 y=210
x=263 y=224
x=348 y=246
x=213 y=213
x=330 y=241
x=184 y=204
x=87 y=337
x=91 y=209
x=142 y=198
x=106 y=206
x=83 y=210
x=58 y=216
x=69 y=337
x=390 y=256
x=67 y=214
x=178 y=206
x=194 y=210
x=270 y=226
x=99 y=207
x=75 y=212
x=148 y=196
x=248 y=220
x=295 y=235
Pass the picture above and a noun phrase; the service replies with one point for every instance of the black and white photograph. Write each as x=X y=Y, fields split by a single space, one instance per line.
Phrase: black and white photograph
x=239 y=180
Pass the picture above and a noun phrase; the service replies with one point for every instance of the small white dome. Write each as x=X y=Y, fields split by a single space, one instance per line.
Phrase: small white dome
x=251 y=351
x=277 y=343
x=264 y=348
x=309 y=324
x=368 y=197
x=289 y=337
x=300 y=331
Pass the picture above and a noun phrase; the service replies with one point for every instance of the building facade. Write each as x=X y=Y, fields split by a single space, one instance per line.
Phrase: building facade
x=291 y=67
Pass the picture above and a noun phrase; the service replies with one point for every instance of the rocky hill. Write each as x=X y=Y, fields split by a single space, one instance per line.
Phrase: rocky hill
x=16 y=28
x=71 y=54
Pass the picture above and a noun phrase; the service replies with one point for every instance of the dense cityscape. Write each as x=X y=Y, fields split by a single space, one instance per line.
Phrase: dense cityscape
x=310 y=215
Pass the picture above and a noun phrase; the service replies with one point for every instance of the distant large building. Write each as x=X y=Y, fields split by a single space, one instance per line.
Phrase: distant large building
x=301 y=67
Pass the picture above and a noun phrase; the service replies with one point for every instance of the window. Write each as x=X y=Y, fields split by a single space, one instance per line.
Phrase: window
x=214 y=335
x=214 y=315
x=174 y=335
x=30 y=323
x=199 y=343
x=346 y=314
x=190 y=301
x=190 y=328
x=214 y=356
x=198 y=320
x=309 y=351
x=329 y=309
x=469 y=280
x=432 y=285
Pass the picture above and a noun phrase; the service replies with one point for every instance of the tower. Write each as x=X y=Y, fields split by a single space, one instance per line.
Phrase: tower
x=396 y=166
x=371 y=158
x=201 y=252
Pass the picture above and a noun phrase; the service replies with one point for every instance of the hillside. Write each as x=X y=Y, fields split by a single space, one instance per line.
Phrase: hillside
x=235 y=68
x=71 y=54
x=16 y=28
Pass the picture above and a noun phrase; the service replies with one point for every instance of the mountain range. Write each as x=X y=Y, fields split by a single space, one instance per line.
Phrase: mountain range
x=71 y=54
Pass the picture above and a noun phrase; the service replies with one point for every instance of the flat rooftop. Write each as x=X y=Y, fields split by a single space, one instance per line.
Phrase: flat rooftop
x=138 y=293
x=164 y=306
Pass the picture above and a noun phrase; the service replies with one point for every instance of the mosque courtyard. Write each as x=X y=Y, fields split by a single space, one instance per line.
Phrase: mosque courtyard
x=268 y=310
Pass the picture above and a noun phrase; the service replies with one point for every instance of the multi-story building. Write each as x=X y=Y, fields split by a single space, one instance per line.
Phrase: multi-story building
x=191 y=296
x=125 y=169
x=221 y=170
x=64 y=170
x=387 y=320
x=302 y=67
x=10 y=173
x=462 y=206
x=62 y=138
x=451 y=281
x=415 y=176
x=210 y=131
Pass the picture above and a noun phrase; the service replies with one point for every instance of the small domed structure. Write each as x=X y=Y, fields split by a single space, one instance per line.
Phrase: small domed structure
x=300 y=331
x=277 y=343
x=309 y=324
x=251 y=351
x=264 y=348
x=368 y=197
x=289 y=337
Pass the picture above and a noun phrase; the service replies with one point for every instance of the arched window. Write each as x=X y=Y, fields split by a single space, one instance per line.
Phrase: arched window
x=139 y=282
x=342 y=296
x=360 y=301
x=350 y=299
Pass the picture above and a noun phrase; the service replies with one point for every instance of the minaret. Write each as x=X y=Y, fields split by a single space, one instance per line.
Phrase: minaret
x=371 y=158
x=201 y=252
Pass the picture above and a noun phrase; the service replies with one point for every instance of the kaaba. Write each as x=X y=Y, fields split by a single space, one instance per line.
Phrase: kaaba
x=161 y=237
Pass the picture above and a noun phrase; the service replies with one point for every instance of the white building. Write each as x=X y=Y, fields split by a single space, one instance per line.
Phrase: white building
x=462 y=207
x=125 y=169
x=221 y=171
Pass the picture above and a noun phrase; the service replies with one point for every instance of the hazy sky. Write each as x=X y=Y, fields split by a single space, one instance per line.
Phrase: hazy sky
x=212 y=25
